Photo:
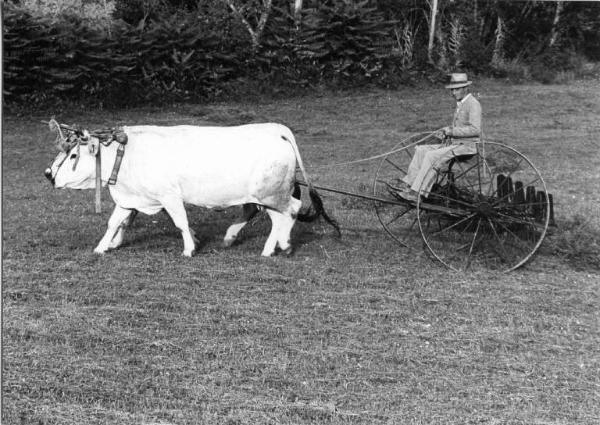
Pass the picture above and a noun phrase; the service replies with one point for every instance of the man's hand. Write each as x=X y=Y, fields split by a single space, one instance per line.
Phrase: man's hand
x=447 y=131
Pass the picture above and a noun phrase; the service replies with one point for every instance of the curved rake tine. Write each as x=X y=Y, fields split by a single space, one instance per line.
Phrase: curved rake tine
x=458 y=201
x=504 y=253
x=387 y=185
x=398 y=216
x=393 y=164
x=516 y=220
x=499 y=200
x=517 y=238
x=455 y=224
x=415 y=220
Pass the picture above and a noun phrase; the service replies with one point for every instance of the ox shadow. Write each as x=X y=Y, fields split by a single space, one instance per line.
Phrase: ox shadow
x=158 y=231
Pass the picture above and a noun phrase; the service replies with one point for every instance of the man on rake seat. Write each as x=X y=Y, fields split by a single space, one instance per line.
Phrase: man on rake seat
x=458 y=139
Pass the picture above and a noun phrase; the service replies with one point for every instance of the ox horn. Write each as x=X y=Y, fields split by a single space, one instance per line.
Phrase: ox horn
x=61 y=141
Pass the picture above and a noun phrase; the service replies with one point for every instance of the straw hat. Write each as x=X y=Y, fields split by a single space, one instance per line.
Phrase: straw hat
x=458 y=80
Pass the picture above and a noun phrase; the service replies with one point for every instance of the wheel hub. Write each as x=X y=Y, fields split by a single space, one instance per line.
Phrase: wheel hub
x=485 y=209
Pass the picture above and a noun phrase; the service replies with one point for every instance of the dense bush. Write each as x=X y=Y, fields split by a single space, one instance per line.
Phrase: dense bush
x=173 y=57
x=340 y=42
x=184 y=49
x=45 y=58
x=344 y=40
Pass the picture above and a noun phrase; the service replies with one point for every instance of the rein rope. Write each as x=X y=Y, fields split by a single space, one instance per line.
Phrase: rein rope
x=403 y=147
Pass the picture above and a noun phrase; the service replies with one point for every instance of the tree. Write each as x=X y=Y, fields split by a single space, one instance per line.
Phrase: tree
x=252 y=12
x=432 y=22
x=297 y=11
x=555 y=23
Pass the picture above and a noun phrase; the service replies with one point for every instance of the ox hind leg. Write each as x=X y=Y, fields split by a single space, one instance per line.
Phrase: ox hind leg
x=282 y=223
x=115 y=230
x=248 y=212
x=176 y=210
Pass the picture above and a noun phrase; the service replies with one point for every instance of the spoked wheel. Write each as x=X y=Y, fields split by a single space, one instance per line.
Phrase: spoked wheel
x=399 y=217
x=486 y=211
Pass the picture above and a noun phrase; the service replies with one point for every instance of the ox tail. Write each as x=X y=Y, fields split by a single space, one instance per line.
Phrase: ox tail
x=317 y=210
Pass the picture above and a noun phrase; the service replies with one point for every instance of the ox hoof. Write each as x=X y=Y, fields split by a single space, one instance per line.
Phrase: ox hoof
x=228 y=242
x=288 y=251
x=187 y=253
x=99 y=251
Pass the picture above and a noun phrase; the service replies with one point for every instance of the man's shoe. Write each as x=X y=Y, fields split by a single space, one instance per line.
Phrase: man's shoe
x=408 y=195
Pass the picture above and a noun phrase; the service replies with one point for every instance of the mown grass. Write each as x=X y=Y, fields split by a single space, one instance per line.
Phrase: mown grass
x=351 y=330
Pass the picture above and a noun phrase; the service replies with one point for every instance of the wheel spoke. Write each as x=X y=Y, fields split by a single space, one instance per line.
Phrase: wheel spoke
x=517 y=167
x=491 y=187
x=475 y=234
x=463 y=171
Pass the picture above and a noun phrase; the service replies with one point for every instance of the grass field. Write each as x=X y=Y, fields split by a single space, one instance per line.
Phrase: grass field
x=345 y=331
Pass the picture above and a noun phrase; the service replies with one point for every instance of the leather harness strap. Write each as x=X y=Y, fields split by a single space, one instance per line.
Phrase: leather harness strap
x=120 y=137
x=120 y=152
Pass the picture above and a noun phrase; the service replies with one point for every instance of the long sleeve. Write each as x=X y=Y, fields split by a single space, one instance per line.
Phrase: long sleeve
x=467 y=123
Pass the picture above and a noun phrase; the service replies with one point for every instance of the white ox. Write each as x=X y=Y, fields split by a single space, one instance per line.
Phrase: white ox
x=212 y=167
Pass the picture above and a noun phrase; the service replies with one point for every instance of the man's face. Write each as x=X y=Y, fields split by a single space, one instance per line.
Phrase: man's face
x=458 y=94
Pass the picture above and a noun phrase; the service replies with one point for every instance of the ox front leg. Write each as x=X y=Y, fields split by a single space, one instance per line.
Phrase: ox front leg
x=176 y=210
x=114 y=230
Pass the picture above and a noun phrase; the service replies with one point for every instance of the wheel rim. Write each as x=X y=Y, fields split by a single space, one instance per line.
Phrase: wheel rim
x=474 y=218
x=399 y=220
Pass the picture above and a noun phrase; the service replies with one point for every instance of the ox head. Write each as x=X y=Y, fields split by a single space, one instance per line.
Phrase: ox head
x=74 y=167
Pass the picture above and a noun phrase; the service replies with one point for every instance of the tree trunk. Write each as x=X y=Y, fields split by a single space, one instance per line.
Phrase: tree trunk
x=432 y=22
x=297 y=10
x=555 y=23
x=498 y=54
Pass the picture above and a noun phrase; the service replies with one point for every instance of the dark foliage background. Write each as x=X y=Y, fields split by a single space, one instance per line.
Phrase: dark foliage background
x=184 y=49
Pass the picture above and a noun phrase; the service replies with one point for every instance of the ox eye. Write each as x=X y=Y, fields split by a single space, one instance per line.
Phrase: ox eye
x=73 y=156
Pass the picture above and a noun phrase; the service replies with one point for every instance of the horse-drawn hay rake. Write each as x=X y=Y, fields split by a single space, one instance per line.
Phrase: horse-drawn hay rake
x=489 y=210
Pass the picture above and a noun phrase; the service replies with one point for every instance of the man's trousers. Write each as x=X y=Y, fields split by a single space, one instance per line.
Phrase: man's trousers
x=430 y=158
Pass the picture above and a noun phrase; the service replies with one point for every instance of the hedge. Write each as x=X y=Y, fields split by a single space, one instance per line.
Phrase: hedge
x=180 y=57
